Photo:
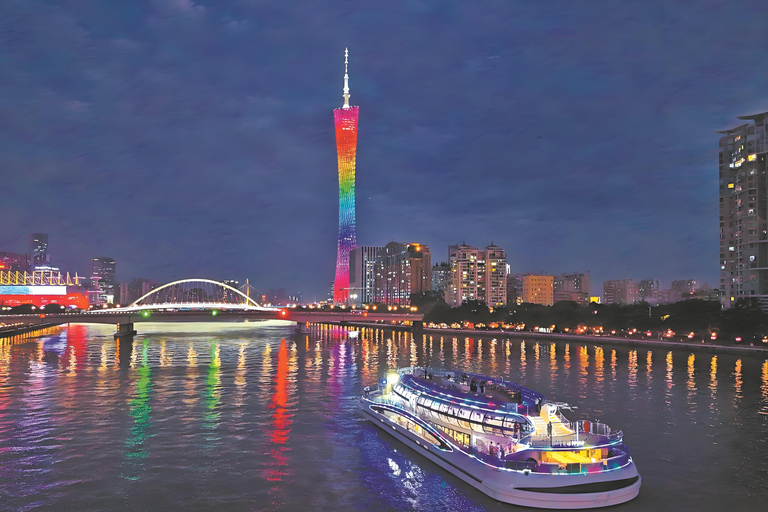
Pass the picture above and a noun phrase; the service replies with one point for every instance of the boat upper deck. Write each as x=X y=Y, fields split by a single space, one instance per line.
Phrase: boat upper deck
x=492 y=392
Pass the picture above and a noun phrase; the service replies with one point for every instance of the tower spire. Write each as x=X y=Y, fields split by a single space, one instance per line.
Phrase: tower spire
x=346 y=78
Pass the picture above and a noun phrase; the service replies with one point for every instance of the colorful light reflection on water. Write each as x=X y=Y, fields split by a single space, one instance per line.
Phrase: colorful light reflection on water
x=254 y=417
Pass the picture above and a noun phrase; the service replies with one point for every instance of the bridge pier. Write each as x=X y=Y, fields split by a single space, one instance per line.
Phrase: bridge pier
x=125 y=329
x=417 y=325
x=124 y=349
x=302 y=327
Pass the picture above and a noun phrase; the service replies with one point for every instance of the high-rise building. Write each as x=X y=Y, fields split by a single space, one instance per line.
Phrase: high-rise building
x=345 y=120
x=477 y=274
x=649 y=290
x=40 y=255
x=401 y=270
x=495 y=288
x=514 y=288
x=619 y=291
x=743 y=211
x=538 y=289
x=574 y=287
x=463 y=261
x=441 y=279
x=362 y=275
x=103 y=274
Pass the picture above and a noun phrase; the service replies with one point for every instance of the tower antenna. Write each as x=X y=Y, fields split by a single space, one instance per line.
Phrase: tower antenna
x=346 y=78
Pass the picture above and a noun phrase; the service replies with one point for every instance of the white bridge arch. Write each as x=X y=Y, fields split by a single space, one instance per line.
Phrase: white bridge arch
x=196 y=294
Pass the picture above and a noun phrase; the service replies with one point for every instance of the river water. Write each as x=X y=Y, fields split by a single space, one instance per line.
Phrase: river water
x=255 y=417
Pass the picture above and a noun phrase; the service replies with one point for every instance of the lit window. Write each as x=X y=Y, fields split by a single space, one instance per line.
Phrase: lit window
x=731 y=185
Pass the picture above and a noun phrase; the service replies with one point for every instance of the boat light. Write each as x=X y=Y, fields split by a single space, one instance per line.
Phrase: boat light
x=392 y=379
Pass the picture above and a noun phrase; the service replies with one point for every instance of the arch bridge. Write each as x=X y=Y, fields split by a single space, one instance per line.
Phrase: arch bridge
x=205 y=300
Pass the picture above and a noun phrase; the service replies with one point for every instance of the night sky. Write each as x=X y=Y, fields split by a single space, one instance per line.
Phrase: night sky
x=195 y=138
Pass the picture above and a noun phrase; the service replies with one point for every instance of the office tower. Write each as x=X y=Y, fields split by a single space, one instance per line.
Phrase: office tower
x=103 y=273
x=574 y=287
x=362 y=275
x=402 y=270
x=619 y=291
x=743 y=211
x=39 y=250
x=538 y=289
x=495 y=276
x=649 y=290
x=345 y=120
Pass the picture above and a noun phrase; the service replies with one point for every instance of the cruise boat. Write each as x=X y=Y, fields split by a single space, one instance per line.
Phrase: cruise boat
x=504 y=439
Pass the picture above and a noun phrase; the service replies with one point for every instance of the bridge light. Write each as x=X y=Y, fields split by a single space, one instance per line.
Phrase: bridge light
x=214 y=312
x=282 y=313
x=145 y=313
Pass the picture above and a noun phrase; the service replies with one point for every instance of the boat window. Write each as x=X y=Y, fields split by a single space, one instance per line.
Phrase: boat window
x=421 y=399
x=443 y=407
x=428 y=403
x=493 y=424
x=477 y=416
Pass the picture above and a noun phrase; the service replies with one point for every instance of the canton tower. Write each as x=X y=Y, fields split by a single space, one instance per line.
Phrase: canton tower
x=345 y=119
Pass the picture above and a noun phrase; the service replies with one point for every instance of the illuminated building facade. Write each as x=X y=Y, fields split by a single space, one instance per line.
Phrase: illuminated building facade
x=649 y=290
x=103 y=274
x=40 y=289
x=619 y=291
x=477 y=274
x=39 y=250
x=345 y=120
x=572 y=287
x=401 y=270
x=463 y=261
x=495 y=276
x=362 y=274
x=743 y=211
x=538 y=289
x=441 y=278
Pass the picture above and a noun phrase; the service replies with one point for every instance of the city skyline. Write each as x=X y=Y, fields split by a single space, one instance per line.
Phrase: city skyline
x=189 y=139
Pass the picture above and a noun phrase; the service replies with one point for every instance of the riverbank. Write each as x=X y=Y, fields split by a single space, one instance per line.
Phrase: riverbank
x=704 y=345
x=707 y=346
x=24 y=332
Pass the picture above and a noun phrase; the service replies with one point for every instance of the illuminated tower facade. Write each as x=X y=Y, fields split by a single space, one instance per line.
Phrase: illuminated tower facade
x=345 y=119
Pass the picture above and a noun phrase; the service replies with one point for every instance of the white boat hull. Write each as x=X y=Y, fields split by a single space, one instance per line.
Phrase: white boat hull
x=508 y=486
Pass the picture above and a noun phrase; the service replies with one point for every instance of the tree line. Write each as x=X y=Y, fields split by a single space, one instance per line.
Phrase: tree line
x=744 y=319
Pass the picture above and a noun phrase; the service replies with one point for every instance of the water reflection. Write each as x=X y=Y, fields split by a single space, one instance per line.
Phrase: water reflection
x=265 y=406
x=212 y=413
x=764 y=390
x=632 y=370
x=648 y=366
x=281 y=419
x=141 y=412
x=737 y=383
x=691 y=385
